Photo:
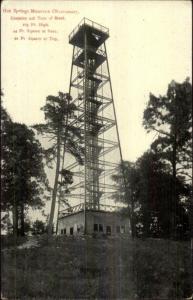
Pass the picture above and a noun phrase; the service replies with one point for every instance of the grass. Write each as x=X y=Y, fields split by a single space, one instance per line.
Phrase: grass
x=87 y=268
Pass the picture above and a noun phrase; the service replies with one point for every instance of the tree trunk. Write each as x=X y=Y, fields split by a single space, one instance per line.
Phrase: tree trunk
x=54 y=194
x=174 y=194
x=58 y=216
x=66 y=130
x=133 y=225
x=15 y=220
x=22 y=229
x=191 y=212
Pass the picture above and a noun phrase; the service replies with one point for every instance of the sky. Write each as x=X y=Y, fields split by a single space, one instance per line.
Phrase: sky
x=149 y=45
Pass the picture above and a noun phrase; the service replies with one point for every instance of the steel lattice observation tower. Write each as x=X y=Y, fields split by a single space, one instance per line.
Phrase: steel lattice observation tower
x=92 y=206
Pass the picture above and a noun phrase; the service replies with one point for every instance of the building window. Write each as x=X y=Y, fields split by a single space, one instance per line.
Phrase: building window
x=95 y=227
x=71 y=230
x=63 y=231
x=108 y=230
x=118 y=229
x=122 y=228
x=100 y=228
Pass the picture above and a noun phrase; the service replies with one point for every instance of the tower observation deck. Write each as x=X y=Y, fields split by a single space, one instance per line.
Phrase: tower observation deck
x=91 y=196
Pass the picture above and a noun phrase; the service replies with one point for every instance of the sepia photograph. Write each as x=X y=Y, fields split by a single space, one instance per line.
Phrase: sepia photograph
x=96 y=150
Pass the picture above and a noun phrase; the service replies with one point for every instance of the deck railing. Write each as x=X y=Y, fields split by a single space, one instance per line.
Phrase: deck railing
x=90 y=23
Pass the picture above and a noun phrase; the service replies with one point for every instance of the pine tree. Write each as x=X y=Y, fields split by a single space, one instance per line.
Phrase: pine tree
x=63 y=136
x=171 y=117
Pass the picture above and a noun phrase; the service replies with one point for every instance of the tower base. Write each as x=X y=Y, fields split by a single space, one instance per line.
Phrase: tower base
x=97 y=223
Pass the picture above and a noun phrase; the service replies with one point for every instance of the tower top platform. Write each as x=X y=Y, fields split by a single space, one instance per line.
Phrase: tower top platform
x=96 y=34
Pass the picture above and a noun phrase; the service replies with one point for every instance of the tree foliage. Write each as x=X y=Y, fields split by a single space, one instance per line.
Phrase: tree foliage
x=149 y=198
x=171 y=117
x=127 y=179
x=23 y=176
x=39 y=227
x=57 y=111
